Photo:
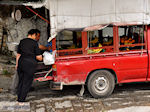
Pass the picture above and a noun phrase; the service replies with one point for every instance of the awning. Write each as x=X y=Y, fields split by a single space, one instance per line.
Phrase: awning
x=95 y=14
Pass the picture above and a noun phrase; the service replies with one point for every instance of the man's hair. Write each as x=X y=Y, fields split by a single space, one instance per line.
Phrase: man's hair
x=33 y=31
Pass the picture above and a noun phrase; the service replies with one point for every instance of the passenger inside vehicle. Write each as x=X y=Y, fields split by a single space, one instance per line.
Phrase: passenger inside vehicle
x=94 y=42
x=101 y=38
x=108 y=42
x=131 y=36
x=124 y=40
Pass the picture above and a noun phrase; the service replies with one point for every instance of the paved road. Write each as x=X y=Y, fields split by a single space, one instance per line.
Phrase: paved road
x=42 y=99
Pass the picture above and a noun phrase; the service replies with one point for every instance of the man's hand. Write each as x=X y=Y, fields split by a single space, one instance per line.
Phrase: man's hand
x=39 y=57
x=45 y=48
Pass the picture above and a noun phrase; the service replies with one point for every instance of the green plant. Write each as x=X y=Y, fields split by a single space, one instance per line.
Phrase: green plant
x=5 y=72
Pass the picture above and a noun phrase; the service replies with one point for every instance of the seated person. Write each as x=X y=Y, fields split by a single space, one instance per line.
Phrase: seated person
x=109 y=42
x=126 y=41
x=94 y=41
x=122 y=39
x=129 y=41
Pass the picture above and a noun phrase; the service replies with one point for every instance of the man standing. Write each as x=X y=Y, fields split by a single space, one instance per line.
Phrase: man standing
x=15 y=81
x=26 y=60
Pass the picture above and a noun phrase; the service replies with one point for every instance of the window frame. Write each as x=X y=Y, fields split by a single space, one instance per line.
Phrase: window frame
x=116 y=45
x=104 y=47
x=135 y=44
x=69 y=51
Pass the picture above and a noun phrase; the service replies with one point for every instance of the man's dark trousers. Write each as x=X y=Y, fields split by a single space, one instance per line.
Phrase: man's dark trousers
x=26 y=70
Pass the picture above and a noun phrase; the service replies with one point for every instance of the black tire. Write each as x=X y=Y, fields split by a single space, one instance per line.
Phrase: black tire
x=101 y=83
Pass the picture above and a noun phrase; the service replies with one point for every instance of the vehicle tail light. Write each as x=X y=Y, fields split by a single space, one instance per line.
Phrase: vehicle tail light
x=54 y=67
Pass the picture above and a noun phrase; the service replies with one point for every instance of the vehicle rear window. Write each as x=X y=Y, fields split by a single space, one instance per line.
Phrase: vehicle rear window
x=69 y=43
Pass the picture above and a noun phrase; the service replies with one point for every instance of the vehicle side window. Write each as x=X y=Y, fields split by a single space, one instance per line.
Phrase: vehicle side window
x=100 y=41
x=68 y=41
x=131 y=38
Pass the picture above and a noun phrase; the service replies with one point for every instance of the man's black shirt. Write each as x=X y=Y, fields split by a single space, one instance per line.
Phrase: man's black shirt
x=28 y=48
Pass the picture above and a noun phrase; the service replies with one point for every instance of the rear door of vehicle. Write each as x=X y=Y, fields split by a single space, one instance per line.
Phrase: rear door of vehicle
x=132 y=62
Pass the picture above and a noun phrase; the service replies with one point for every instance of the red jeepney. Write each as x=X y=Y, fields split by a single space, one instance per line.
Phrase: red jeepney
x=101 y=58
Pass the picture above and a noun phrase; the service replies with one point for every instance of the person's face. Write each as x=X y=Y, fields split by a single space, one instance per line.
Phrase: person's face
x=38 y=36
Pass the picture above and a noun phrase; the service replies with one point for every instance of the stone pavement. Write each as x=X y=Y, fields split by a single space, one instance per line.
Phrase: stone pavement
x=126 y=98
x=133 y=97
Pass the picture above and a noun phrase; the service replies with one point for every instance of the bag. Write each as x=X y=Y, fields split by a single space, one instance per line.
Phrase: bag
x=49 y=58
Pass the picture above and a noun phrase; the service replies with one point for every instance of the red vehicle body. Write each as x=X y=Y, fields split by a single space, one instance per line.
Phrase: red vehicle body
x=101 y=71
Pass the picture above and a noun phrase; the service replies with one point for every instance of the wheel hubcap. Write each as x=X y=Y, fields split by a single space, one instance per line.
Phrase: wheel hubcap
x=101 y=83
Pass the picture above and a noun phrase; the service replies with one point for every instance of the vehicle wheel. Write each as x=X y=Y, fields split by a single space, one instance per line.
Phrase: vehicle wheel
x=101 y=83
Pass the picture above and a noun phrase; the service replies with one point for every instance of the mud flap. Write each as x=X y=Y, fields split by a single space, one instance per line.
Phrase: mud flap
x=81 y=91
x=56 y=85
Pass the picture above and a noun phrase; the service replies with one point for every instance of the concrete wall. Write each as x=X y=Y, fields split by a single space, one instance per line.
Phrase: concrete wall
x=19 y=30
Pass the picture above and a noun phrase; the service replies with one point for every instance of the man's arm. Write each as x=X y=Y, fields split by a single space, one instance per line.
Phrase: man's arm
x=44 y=47
x=17 y=58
